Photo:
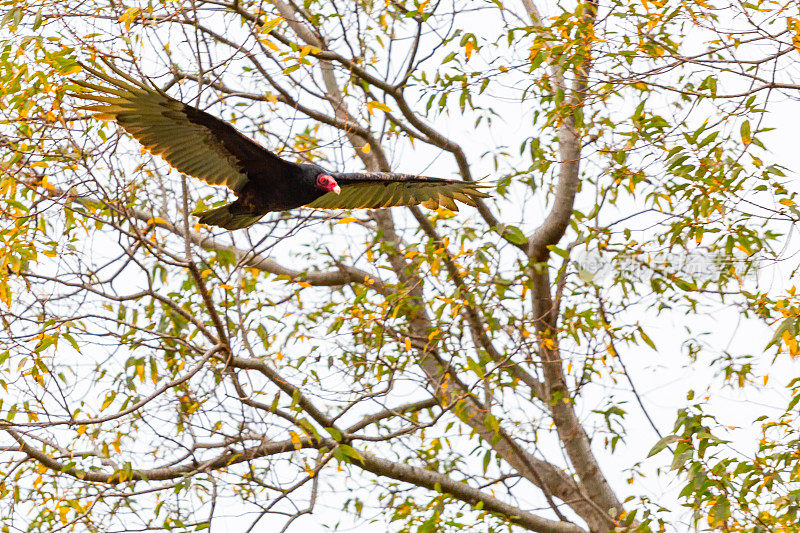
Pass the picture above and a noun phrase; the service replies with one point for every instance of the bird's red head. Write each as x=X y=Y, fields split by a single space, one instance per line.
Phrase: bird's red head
x=328 y=184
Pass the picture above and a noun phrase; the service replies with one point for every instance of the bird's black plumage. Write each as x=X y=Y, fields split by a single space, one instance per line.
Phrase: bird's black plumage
x=205 y=147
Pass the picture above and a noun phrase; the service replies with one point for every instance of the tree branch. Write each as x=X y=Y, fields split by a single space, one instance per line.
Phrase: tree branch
x=545 y=317
x=394 y=411
x=438 y=482
x=344 y=274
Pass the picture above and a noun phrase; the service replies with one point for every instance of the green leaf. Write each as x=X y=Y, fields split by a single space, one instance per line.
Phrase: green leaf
x=428 y=526
x=788 y=324
x=558 y=251
x=793 y=403
x=663 y=443
x=349 y=451
x=514 y=235
x=747 y=138
x=109 y=398
x=475 y=367
x=647 y=339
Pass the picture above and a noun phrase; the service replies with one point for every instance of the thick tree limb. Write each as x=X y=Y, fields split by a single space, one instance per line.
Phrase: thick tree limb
x=435 y=481
x=382 y=467
x=570 y=430
x=446 y=387
x=474 y=318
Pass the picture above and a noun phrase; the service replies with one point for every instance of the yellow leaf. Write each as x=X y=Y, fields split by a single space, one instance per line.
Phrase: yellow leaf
x=378 y=105
x=72 y=69
x=347 y=220
x=156 y=221
x=787 y=202
x=82 y=429
x=308 y=49
x=129 y=16
x=46 y=184
x=365 y=148
x=791 y=342
x=107 y=401
x=469 y=47
x=289 y=70
x=271 y=24
x=269 y=44
x=408 y=344
x=296 y=440
x=793 y=25
x=304 y=284
x=435 y=267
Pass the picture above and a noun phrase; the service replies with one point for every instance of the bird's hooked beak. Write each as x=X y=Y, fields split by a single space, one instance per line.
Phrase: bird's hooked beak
x=336 y=190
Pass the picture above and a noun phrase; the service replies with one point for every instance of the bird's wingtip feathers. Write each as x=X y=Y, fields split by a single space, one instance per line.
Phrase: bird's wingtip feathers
x=129 y=84
x=222 y=217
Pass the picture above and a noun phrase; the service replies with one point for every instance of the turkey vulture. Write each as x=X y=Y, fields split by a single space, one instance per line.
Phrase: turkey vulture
x=205 y=147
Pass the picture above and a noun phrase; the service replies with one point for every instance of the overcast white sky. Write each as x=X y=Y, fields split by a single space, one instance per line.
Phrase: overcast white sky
x=663 y=378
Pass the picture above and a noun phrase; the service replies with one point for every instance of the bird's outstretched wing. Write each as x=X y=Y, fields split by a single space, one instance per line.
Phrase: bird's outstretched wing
x=190 y=140
x=373 y=190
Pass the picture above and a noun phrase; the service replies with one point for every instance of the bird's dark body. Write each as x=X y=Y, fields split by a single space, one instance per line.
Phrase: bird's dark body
x=205 y=147
x=272 y=183
x=266 y=192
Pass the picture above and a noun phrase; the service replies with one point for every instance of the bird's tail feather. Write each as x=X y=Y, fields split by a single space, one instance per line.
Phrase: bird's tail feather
x=222 y=217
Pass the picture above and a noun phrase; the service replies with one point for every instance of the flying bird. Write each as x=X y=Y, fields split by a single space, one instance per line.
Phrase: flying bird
x=202 y=146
